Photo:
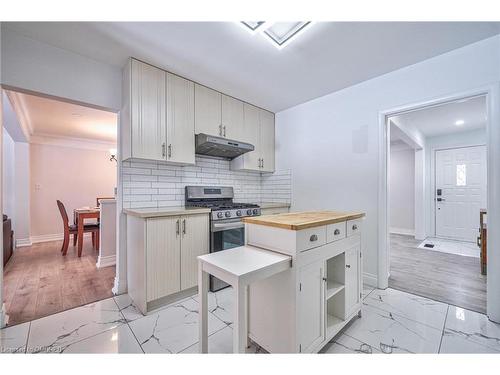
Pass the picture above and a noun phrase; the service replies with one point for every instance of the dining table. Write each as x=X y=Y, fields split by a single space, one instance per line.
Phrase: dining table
x=80 y=215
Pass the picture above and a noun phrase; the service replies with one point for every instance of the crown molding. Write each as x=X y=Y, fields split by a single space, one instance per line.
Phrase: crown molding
x=22 y=114
x=81 y=143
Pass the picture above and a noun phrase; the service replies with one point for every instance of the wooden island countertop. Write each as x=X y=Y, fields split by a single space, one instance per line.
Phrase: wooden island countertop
x=303 y=220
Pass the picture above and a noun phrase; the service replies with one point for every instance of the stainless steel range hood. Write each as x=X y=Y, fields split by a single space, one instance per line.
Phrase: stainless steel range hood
x=221 y=147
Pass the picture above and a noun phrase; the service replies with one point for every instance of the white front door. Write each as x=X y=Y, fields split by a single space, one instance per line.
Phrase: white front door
x=460 y=191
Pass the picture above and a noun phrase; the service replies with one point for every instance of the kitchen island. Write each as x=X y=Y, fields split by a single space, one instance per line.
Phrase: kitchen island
x=302 y=308
x=297 y=280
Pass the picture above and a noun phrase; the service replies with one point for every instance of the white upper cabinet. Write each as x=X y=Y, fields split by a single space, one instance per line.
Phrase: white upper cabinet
x=162 y=112
x=232 y=118
x=208 y=111
x=180 y=120
x=267 y=141
x=147 y=111
x=258 y=129
x=157 y=118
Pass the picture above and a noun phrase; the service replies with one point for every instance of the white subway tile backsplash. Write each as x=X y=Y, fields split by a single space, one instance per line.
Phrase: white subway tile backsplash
x=151 y=184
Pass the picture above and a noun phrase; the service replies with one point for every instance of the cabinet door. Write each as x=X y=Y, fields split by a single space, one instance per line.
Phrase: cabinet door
x=311 y=306
x=207 y=111
x=147 y=106
x=180 y=120
x=267 y=141
x=195 y=242
x=163 y=257
x=352 y=277
x=251 y=134
x=232 y=118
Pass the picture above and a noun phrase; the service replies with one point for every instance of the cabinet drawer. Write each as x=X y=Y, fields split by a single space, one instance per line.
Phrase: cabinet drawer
x=353 y=227
x=312 y=237
x=335 y=231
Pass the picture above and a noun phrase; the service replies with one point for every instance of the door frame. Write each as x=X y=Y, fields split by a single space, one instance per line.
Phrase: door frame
x=492 y=94
x=433 y=153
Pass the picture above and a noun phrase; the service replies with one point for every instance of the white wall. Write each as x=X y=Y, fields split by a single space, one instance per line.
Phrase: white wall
x=74 y=176
x=462 y=139
x=36 y=66
x=331 y=144
x=8 y=184
x=402 y=191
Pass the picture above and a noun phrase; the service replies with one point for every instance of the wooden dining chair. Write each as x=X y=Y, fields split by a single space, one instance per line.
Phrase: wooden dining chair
x=73 y=229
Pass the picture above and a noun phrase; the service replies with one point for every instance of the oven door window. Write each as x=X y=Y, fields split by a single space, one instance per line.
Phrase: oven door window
x=227 y=239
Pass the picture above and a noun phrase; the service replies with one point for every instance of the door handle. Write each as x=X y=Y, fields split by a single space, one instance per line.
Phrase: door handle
x=440 y=199
x=170 y=150
x=177 y=229
x=224 y=130
x=220 y=130
x=336 y=232
x=262 y=162
x=354 y=227
x=347 y=266
x=313 y=238
x=184 y=226
x=163 y=149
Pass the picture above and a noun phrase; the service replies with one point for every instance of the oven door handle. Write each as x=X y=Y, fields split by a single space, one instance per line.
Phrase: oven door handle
x=217 y=227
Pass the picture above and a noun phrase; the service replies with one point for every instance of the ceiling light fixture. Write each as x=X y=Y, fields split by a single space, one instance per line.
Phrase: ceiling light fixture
x=459 y=122
x=280 y=34
x=254 y=26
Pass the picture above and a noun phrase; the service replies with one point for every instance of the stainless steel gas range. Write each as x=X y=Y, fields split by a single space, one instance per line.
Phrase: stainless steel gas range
x=226 y=228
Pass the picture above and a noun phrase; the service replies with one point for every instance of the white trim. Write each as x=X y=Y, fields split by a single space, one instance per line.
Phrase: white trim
x=47 y=238
x=23 y=242
x=22 y=115
x=71 y=142
x=51 y=237
x=404 y=231
x=370 y=279
x=110 y=260
x=492 y=93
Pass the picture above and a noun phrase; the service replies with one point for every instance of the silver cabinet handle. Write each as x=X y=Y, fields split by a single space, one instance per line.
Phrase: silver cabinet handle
x=347 y=266
x=313 y=238
x=170 y=150
x=177 y=229
x=224 y=130
x=354 y=227
x=184 y=226
x=336 y=232
x=220 y=130
x=163 y=149
x=262 y=162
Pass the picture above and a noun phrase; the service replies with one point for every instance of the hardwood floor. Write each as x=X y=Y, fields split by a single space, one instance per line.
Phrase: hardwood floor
x=39 y=281
x=448 y=278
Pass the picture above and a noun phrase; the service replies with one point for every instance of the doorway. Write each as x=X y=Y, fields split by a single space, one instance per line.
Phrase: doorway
x=64 y=169
x=442 y=263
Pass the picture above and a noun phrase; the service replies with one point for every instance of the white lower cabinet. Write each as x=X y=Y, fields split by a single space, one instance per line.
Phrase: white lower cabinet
x=311 y=306
x=162 y=257
x=300 y=310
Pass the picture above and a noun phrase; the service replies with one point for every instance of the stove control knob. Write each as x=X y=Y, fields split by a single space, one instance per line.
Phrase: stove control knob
x=238 y=213
x=249 y=212
x=255 y=211
x=228 y=214
x=219 y=214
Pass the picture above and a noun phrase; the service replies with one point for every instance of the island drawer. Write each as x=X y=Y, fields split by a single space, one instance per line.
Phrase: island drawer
x=310 y=238
x=335 y=231
x=353 y=227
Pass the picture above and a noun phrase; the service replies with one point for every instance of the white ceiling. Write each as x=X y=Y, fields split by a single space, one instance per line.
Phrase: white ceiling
x=53 y=118
x=329 y=56
x=440 y=120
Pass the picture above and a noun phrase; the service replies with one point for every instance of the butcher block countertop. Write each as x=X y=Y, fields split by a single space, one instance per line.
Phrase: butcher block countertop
x=303 y=220
x=165 y=211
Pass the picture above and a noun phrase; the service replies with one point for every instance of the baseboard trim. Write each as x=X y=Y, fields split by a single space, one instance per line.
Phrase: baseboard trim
x=51 y=237
x=370 y=279
x=110 y=260
x=47 y=238
x=23 y=242
x=407 y=232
